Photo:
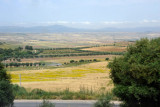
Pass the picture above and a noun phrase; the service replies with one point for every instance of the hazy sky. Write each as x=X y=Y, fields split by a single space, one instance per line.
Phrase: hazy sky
x=80 y=13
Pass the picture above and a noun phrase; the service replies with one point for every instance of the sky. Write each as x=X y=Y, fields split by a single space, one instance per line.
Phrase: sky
x=80 y=13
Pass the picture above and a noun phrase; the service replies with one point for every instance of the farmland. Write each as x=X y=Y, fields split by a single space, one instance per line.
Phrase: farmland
x=81 y=59
x=87 y=76
x=107 y=49
x=63 y=40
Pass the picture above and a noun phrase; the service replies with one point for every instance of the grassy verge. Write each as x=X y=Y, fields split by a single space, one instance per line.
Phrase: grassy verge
x=83 y=94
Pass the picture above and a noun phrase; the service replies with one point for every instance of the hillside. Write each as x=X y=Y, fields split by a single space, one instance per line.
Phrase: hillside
x=60 y=28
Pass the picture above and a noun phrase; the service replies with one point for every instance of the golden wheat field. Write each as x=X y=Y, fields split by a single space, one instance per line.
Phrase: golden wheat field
x=93 y=76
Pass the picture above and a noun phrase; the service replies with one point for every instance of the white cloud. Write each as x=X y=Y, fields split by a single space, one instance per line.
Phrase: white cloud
x=86 y=23
x=145 y=21
x=63 y=22
x=150 y=21
x=66 y=22
x=54 y=22
x=115 y=22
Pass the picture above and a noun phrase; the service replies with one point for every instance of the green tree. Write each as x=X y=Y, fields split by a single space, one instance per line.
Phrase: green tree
x=72 y=61
x=27 y=64
x=30 y=64
x=107 y=59
x=28 y=47
x=95 y=60
x=6 y=92
x=136 y=75
x=81 y=60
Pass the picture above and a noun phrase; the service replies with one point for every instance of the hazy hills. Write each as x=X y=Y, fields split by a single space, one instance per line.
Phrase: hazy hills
x=60 y=28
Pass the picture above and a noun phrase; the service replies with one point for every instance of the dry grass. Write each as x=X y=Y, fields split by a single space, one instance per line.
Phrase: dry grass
x=107 y=49
x=90 y=76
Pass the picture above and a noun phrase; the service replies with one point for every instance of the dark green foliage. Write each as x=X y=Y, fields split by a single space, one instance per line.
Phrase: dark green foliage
x=6 y=92
x=104 y=101
x=40 y=63
x=136 y=75
x=27 y=64
x=46 y=104
x=28 y=47
x=3 y=75
x=30 y=64
x=95 y=60
x=81 y=60
x=107 y=59
x=38 y=92
x=72 y=61
x=24 y=64
x=19 y=91
x=15 y=54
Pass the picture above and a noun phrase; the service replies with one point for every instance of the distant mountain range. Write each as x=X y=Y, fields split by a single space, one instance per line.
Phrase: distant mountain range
x=60 y=28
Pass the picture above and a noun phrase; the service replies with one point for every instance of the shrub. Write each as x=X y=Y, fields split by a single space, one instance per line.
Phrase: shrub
x=104 y=101
x=95 y=60
x=46 y=104
x=27 y=64
x=38 y=92
x=19 y=91
x=136 y=75
x=72 y=61
x=81 y=60
x=107 y=59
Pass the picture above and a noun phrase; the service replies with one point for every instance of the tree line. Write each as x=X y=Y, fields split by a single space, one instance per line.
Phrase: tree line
x=16 y=53
x=19 y=53
x=14 y=64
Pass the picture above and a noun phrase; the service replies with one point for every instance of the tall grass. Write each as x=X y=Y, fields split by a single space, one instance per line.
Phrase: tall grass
x=83 y=94
x=46 y=103
x=104 y=101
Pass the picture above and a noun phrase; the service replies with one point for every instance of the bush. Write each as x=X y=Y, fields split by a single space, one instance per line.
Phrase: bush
x=136 y=75
x=107 y=59
x=95 y=60
x=38 y=92
x=46 y=104
x=72 y=61
x=104 y=101
x=19 y=91
x=81 y=60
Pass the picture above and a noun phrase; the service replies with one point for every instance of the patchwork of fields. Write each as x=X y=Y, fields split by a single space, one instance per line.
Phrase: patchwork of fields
x=92 y=76
x=62 y=48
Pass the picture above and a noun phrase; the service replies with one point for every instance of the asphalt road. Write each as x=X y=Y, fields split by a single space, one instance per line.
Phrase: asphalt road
x=59 y=103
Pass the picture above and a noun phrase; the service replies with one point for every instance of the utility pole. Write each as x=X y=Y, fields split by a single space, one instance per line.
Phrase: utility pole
x=20 y=80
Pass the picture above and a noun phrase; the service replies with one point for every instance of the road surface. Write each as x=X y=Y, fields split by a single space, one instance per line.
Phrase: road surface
x=58 y=103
